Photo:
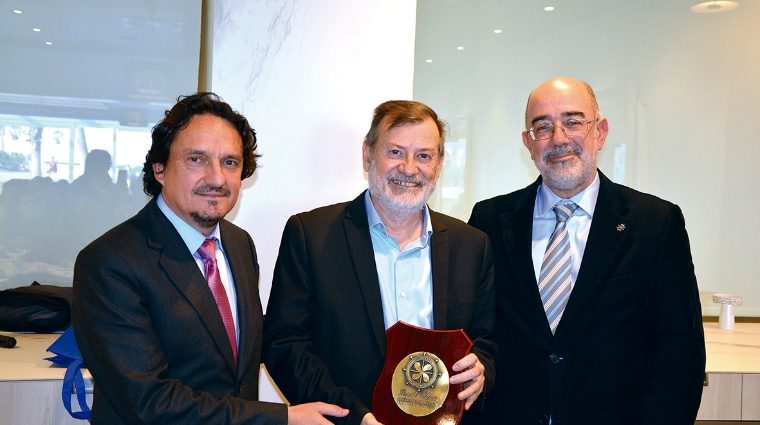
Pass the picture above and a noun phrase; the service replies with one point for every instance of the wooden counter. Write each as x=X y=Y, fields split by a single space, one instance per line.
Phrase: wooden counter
x=732 y=392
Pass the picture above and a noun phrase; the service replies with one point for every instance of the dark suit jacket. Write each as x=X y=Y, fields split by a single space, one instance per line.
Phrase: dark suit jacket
x=324 y=335
x=630 y=346
x=151 y=334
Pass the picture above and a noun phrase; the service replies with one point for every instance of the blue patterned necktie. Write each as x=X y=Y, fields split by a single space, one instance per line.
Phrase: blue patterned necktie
x=554 y=283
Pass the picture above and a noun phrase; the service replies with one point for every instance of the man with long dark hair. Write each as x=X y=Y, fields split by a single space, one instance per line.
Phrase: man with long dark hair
x=167 y=312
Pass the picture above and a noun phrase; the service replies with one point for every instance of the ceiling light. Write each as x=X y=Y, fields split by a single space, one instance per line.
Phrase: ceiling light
x=36 y=29
x=549 y=8
x=428 y=60
x=497 y=31
x=460 y=48
x=49 y=43
x=17 y=11
x=714 y=6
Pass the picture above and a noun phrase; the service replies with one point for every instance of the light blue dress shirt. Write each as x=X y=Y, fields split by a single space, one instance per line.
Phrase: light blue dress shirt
x=406 y=278
x=194 y=239
x=578 y=225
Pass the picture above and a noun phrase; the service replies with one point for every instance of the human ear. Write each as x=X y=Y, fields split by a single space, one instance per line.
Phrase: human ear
x=158 y=172
x=366 y=155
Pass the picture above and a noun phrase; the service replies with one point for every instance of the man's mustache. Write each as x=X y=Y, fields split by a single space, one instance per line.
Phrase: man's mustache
x=562 y=150
x=399 y=177
x=211 y=189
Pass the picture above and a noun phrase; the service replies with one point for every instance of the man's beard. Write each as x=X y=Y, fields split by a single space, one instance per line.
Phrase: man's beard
x=569 y=174
x=395 y=200
x=208 y=220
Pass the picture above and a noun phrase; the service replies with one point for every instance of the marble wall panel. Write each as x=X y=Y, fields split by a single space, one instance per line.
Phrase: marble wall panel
x=307 y=75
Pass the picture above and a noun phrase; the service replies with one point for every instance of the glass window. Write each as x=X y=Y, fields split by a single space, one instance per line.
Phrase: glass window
x=81 y=85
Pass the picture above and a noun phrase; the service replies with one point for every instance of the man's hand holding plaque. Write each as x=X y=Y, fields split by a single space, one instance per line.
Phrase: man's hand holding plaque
x=369 y=419
x=472 y=377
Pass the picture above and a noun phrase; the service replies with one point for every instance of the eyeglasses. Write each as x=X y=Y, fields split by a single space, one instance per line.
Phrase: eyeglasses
x=571 y=127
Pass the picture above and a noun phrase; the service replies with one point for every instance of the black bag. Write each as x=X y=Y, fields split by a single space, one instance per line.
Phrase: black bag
x=36 y=308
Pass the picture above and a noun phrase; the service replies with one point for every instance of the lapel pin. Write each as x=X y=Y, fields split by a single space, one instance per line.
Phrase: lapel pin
x=620 y=227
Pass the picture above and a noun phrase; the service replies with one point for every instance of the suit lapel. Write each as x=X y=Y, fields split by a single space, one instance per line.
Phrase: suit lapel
x=517 y=231
x=440 y=254
x=356 y=228
x=181 y=269
x=603 y=243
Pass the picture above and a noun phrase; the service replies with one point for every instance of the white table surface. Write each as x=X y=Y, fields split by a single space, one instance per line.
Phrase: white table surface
x=25 y=361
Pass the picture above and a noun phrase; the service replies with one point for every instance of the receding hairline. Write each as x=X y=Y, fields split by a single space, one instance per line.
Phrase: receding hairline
x=589 y=90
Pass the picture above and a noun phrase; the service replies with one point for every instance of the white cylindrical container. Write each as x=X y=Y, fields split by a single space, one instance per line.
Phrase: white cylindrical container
x=726 y=319
x=727 y=302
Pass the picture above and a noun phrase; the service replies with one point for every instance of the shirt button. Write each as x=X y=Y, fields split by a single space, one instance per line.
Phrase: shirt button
x=554 y=358
x=403 y=294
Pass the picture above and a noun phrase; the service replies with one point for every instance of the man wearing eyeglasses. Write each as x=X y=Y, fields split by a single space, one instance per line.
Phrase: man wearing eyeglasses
x=598 y=313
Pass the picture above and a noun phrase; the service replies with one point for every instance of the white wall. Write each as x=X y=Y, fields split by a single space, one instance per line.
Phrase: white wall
x=307 y=75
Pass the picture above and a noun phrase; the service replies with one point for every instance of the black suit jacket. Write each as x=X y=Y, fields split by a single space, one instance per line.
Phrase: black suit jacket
x=324 y=335
x=151 y=334
x=630 y=346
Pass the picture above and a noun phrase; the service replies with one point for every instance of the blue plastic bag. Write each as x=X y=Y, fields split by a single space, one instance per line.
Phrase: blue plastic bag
x=67 y=355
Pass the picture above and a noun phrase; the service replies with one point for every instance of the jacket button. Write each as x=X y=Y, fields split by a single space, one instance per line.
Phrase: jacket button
x=554 y=358
x=543 y=419
x=240 y=388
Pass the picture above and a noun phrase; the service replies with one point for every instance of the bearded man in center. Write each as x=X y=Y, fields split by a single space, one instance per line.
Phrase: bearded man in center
x=347 y=272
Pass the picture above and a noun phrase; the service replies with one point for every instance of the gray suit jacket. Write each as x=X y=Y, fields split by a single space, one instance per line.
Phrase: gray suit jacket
x=151 y=334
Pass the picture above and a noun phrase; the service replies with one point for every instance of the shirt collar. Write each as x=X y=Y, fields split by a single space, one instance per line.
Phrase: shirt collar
x=374 y=220
x=191 y=237
x=586 y=199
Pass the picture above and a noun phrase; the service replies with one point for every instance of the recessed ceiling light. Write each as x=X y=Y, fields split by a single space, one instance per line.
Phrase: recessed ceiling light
x=49 y=43
x=460 y=48
x=36 y=29
x=428 y=60
x=549 y=8
x=714 y=6
x=497 y=31
x=17 y=11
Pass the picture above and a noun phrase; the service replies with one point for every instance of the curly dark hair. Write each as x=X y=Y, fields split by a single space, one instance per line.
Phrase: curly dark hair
x=178 y=117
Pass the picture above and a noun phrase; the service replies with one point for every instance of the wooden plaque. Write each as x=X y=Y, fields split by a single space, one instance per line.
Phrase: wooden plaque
x=413 y=388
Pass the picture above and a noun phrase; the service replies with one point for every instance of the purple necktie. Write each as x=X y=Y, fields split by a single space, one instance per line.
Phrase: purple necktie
x=207 y=251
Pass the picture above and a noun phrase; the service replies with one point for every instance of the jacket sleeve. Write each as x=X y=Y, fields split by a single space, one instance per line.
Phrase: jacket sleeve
x=677 y=363
x=482 y=332
x=116 y=335
x=288 y=351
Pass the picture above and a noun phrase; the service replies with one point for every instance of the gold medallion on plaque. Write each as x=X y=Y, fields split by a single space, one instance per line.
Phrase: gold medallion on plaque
x=420 y=383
